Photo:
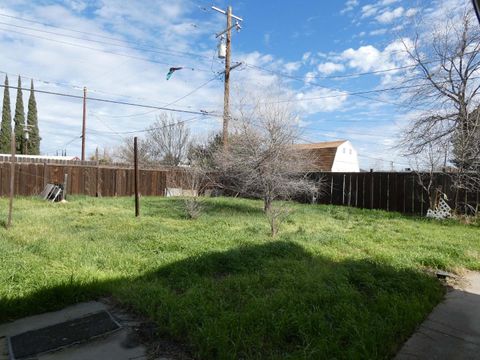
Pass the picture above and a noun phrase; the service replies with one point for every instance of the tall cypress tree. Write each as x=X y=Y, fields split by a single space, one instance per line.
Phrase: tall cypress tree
x=6 y=126
x=19 y=118
x=33 y=145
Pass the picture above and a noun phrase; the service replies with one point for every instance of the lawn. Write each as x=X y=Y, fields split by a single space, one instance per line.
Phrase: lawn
x=335 y=283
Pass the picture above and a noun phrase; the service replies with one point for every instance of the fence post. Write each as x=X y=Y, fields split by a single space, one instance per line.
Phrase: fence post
x=135 y=161
x=331 y=190
x=388 y=191
x=356 y=190
x=45 y=178
x=371 y=189
x=65 y=185
x=97 y=188
x=12 y=183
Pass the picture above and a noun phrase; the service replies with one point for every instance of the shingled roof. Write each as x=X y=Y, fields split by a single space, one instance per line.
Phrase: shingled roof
x=323 y=153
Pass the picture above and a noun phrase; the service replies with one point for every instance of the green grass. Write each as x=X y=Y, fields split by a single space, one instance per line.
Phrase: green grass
x=336 y=283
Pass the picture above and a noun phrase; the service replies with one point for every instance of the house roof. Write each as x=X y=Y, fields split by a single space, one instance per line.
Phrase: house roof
x=320 y=145
x=323 y=153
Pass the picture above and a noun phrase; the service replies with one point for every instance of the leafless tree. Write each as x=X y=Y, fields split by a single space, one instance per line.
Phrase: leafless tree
x=445 y=79
x=168 y=140
x=260 y=161
x=124 y=152
x=427 y=164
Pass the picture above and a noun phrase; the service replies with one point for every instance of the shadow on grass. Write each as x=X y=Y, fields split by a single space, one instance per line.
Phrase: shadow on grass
x=274 y=300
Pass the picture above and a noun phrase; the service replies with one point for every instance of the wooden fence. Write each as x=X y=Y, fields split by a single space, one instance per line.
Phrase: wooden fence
x=30 y=179
x=391 y=191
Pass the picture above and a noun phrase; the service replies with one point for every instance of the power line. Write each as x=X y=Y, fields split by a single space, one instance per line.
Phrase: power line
x=100 y=50
x=147 y=129
x=173 y=102
x=101 y=36
x=342 y=93
x=345 y=132
x=76 y=137
x=153 y=50
x=283 y=74
x=201 y=112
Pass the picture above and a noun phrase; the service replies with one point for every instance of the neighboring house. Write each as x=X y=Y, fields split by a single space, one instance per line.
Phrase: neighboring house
x=334 y=156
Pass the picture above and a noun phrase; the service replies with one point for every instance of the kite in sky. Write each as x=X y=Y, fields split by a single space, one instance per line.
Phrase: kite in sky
x=172 y=70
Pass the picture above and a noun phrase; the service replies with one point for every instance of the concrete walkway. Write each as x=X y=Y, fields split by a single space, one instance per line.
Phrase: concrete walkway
x=452 y=330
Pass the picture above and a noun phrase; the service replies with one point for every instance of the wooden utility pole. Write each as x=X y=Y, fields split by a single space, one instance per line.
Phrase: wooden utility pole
x=135 y=165
x=84 y=121
x=12 y=182
x=228 y=51
x=226 y=93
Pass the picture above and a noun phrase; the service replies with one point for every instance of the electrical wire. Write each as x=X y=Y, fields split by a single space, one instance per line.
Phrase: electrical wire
x=286 y=75
x=101 y=50
x=204 y=113
x=342 y=93
x=147 y=129
x=170 y=103
x=153 y=50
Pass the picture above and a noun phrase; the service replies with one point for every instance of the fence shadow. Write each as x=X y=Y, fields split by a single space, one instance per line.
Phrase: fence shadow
x=274 y=300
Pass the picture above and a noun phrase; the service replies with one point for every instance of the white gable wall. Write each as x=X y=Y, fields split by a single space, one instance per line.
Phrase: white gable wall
x=346 y=159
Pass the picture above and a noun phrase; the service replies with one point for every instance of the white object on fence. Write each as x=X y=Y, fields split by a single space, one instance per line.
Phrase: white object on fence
x=169 y=192
x=442 y=211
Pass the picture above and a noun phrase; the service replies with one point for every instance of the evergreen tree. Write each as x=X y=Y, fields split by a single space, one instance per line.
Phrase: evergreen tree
x=33 y=144
x=19 y=118
x=6 y=126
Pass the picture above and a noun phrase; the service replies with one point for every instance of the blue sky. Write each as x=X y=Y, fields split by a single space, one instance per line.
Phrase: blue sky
x=295 y=46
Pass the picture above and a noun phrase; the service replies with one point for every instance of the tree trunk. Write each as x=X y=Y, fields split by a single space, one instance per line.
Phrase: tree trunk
x=267 y=203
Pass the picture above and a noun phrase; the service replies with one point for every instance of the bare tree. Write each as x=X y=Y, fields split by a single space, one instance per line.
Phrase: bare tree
x=445 y=81
x=427 y=164
x=168 y=140
x=260 y=161
x=124 y=152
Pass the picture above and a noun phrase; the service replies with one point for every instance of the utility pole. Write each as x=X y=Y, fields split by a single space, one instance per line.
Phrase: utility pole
x=228 y=43
x=84 y=121
x=226 y=92
x=135 y=166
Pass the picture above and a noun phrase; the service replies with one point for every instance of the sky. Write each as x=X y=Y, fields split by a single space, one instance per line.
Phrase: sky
x=312 y=50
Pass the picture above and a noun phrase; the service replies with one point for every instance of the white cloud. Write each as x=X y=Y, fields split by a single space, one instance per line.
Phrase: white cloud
x=329 y=68
x=389 y=2
x=310 y=76
x=388 y=16
x=411 y=12
x=369 y=58
x=293 y=66
x=349 y=6
x=383 y=13
x=378 y=32
x=321 y=100
x=369 y=10
x=306 y=56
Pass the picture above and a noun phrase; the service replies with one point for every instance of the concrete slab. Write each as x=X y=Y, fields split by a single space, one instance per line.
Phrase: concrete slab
x=111 y=347
x=121 y=345
x=452 y=330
